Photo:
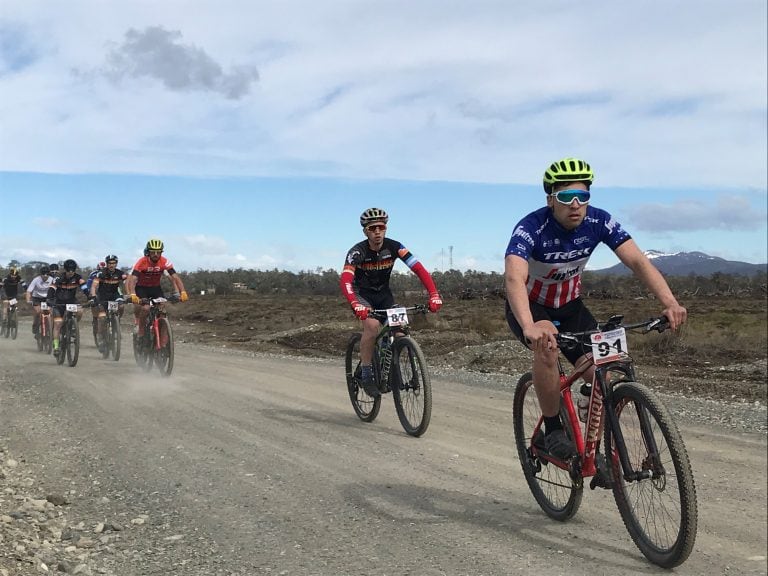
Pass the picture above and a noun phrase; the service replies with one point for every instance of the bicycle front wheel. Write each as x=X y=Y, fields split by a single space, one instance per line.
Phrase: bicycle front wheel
x=411 y=386
x=103 y=342
x=657 y=497
x=164 y=352
x=63 y=343
x=13 y=325
x=552 y=487
x=73 y=342
x=115 y=337
x=366 y=407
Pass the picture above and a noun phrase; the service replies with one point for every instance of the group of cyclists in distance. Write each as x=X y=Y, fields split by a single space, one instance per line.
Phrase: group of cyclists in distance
x=545 y=257
x=58 y=286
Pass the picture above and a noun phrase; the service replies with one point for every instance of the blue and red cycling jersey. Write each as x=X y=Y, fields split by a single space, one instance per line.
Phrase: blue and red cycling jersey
x=556 y=256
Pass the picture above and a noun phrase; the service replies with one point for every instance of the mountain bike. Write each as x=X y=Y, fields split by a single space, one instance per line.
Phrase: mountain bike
x=110 y=341
x=69 y=337
x=10 y=324
x=642 y=460
x=398 y=367
x=156 y=345
x=43 y=336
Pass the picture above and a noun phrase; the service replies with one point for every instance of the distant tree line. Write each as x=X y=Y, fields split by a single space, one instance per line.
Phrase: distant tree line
x=468 y=284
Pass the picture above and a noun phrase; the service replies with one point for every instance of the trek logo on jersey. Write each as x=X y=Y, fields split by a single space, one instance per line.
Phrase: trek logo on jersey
x=572 y=255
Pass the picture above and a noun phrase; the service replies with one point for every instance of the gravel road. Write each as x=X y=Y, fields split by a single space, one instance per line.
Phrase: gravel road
x=244 y=464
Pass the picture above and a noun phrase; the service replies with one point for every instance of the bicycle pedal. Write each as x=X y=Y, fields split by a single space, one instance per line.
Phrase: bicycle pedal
x=598 y=481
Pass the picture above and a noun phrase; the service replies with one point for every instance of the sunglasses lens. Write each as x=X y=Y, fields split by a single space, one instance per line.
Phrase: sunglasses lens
x=567 y=196
x=376 y=228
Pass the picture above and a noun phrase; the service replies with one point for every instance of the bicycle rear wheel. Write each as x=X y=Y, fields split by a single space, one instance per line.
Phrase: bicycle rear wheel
x=73 y=342
x=658 y=506
x=366 y=407
x=411 y=386
x=13 y=325
x=143 y=349
x=164 y=353
x=552 y=487
x=115 y=337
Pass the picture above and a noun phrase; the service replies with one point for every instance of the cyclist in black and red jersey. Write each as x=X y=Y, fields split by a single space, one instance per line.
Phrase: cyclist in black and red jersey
x=365 y=283
x=105 y=286
x=11 y=285
x=64 y=291
x=144 y=280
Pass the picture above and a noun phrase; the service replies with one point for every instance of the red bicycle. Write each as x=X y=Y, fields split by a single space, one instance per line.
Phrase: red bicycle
x=642 y=460
x=156 y=345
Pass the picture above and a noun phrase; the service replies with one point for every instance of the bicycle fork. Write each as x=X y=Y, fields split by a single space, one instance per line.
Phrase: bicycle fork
x=652 y=467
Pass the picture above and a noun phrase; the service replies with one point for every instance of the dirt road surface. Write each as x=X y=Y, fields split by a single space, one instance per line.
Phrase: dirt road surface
x=242 y=464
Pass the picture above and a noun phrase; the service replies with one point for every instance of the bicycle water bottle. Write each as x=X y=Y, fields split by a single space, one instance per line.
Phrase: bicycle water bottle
x=582 y=401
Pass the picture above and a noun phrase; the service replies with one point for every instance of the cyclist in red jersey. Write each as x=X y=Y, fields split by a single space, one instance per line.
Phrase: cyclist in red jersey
x=144 y=280
x=365 y=283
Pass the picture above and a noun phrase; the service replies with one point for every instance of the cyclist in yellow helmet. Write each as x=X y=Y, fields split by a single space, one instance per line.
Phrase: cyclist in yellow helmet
x=545 y=257
x=144 y=280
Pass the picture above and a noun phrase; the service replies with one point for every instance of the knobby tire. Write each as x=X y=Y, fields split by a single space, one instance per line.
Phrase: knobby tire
x=164 y=354
x=411 y=386
x=366 y=407
x=115 y=337
x=73 y=342
x=660 y=512
x=558 y=495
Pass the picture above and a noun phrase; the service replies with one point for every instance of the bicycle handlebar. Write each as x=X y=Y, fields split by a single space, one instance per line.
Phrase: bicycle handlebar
x=571 y=339
x=382 y=314
x=155 y=301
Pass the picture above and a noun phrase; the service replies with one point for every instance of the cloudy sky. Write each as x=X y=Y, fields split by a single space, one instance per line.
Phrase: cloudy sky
x=253 y=133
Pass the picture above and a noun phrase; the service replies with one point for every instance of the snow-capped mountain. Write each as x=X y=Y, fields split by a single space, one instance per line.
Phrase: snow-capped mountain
x=685 y=263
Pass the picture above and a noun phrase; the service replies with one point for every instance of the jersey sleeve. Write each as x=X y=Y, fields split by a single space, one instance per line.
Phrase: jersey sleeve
x=612 y=234
x=522 y=242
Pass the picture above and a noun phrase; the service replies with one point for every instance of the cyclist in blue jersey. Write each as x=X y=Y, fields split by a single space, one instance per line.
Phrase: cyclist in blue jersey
x=365 y=283
x=546 y=255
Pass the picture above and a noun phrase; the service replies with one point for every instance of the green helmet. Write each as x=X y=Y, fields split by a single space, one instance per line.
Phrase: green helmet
x=567 y=170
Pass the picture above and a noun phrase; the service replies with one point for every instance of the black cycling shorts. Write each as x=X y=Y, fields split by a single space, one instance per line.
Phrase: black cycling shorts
x=376 y=300
x=149 y=292
x=573 y=317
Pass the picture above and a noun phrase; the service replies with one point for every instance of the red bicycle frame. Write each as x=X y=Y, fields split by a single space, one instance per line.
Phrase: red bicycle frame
x=586 y=447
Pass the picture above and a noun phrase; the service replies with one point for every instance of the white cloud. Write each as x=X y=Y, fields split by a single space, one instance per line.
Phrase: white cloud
x=732 y=212
x=486 y=91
